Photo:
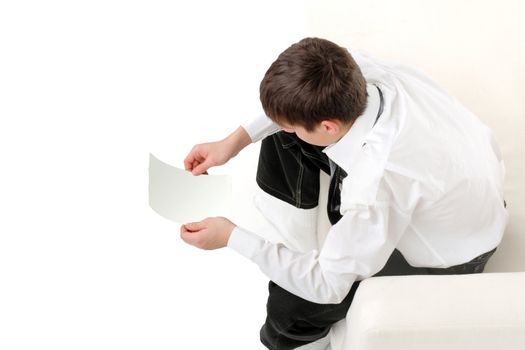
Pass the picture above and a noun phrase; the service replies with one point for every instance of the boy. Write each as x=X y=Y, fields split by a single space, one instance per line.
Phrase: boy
x=416 y=185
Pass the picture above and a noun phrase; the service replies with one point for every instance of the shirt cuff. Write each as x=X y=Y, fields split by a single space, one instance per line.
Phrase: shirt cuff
x=260 y=127
x=245 y=243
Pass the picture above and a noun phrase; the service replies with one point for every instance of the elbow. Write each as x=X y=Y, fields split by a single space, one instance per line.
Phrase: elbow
x=340 y=295
x=333 y=296
x=336 y=293
x=335 y=285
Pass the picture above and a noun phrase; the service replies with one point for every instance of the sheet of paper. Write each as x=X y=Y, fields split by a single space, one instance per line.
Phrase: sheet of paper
x=178 y=195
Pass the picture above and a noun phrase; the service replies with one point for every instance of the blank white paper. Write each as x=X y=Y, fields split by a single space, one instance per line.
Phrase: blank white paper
x=178 y=195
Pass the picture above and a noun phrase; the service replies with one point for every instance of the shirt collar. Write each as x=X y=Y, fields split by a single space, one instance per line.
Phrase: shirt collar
x=344 y=151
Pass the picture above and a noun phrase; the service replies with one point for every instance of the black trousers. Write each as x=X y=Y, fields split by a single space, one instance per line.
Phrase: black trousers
x=288 y=169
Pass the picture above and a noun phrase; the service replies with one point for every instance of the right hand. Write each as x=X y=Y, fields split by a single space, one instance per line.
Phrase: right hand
x=205 y=155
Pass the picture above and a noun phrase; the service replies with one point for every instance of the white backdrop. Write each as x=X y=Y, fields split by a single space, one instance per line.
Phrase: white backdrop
x=87 y=90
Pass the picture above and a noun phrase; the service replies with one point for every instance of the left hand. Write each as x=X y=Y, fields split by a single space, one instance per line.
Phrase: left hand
x=210 y=233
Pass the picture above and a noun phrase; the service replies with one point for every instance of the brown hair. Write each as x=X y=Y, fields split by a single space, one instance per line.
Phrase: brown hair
x=311 y=81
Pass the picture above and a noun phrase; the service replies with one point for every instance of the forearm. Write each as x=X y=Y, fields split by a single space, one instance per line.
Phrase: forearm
x=237 y=140
x=299 y=273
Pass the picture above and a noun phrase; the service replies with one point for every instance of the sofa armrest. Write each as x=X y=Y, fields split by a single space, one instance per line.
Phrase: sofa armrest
x=481 y=311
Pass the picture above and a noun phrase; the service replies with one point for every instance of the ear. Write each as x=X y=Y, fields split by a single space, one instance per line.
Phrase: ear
x=331 y=126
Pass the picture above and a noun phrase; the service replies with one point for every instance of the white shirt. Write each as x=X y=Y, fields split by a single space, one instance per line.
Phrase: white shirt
x=427 y=179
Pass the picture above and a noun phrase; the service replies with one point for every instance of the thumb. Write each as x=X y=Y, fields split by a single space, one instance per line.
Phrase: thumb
x=201 y=168
x=194 y=226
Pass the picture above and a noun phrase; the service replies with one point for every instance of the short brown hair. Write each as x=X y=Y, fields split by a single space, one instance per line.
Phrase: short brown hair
x=311 y=81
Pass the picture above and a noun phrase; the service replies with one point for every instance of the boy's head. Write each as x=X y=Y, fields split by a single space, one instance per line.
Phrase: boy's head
x=312 y=81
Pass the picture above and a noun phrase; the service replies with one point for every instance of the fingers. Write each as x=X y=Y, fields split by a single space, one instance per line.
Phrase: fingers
x=194 y=233
x=189 y=161
x=210 y=233
x=188 y=236
x=197 y=161
x=195 y=156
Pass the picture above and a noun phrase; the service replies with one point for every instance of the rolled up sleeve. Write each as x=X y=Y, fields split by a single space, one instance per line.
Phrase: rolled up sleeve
x=260 y=127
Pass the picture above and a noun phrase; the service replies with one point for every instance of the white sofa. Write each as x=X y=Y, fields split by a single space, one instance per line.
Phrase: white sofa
x=484 y=311
x=470 y=48
x=481 y=311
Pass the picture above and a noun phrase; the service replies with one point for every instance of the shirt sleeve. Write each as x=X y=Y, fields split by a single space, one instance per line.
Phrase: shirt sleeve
x=356 y=247
x=260 y=127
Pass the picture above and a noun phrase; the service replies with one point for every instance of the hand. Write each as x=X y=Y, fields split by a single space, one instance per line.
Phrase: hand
x=206 y=155
x=208 y=234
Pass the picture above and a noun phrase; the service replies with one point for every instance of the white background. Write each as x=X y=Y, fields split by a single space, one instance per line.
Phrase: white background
x=87 y=90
